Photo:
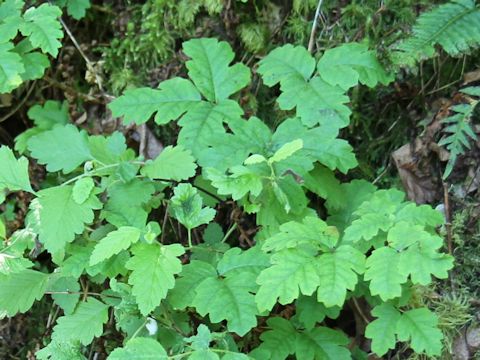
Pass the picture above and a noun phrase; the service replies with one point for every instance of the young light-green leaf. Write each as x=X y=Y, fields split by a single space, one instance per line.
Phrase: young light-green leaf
x=82 y=189
x=286 y=150
x=114 y=243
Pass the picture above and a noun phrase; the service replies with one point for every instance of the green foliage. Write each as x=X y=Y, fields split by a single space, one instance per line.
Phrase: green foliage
x=75 y=8
x=454 y=26
x=40 y=29
x=130 y=231
x=419 y=325
x=459 y=130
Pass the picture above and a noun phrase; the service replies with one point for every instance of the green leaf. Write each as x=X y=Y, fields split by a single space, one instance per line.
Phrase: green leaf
x=255 y=159
x=125 y=205
x=228 y=299
x=210 y=71
x=10 y=19
x=292 y=271
x=286 y=150
x=186 y=206
x=12 y=264
x=319 y=144
x=114 y=243
x=316 y=101
x=59 y=217
x=192 y=275
x=356 y=192
x=241 y=181
x=111 y=150
x=67 y=302
x=61 y=350
x=420 y=326
x=35 y=64
x=311 y=230
x=427 y=262
x=84 y=324
x=280 y=340
x=338 y=273
x=153 y=268
x=284 y=62
x=139 y=349
x=384 y=273
x=172 y=99
x=383 y=329
x=237 y=261
x=42 y=27
x=322 y=182
x=14 y=172
x=173 y=163
x=82 y=189
x=77 y=8
x=420 y=215
x=77 y=262
x=309 y=311
x=11 y=68
x=204 y=122
x=367 y=227
x=202 y=340
x=322 y=343
x=349 y=64
x=62 y=148
x=18 y=290
x=50 y=114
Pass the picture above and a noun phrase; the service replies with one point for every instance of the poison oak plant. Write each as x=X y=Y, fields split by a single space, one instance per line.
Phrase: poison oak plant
x=173 y=298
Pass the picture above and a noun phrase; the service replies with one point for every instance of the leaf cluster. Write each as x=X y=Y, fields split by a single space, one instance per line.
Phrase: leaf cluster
x=100 y=225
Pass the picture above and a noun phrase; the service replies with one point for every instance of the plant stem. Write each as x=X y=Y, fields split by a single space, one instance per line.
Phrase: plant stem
x=311 y=42
x=229 y=232
x=189 y=238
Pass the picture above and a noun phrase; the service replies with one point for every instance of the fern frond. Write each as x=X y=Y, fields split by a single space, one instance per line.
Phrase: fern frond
x=454 y=26
x=459 y=131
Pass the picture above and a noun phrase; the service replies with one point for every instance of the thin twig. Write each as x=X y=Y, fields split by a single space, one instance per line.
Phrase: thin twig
x=90 y=66
x=360 y=311
x=66 y=292
x=20 y=104
x=311 y=42
x=71 y=90
x=165 y=217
